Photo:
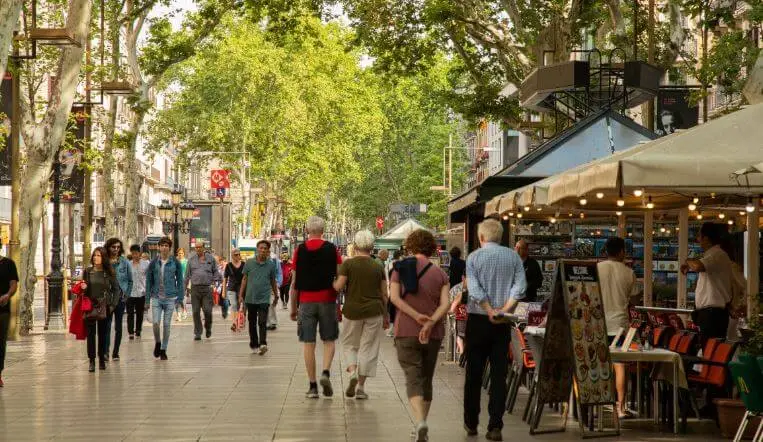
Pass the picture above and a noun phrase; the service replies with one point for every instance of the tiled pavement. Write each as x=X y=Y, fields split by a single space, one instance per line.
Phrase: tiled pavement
x=216 y=390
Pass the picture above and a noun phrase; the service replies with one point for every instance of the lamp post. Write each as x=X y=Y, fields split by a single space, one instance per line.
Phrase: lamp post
x=176 y=216
x=55 y=318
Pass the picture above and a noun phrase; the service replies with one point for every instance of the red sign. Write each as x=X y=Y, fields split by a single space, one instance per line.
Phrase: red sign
x=219 y=179
x=379 y=223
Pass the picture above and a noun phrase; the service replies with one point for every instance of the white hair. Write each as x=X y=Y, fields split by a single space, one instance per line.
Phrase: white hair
x=315 y=225
x=490 y=230
x=364 y=240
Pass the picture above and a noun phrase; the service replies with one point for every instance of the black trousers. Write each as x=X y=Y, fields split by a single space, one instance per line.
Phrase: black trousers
x=102 y=327
x=713 y=322
x=5 y=322
x=486 y=341
x=135 y=309
x=285 y=294
x=258 y=318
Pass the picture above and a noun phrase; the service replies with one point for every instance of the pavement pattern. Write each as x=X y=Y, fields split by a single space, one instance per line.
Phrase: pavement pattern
x=217 y=390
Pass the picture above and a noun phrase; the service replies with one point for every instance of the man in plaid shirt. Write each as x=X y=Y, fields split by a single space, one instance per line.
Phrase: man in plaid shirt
x=496 y=280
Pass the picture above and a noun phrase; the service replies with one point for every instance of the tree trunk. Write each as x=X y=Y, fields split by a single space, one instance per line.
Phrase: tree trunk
x=9 y=15
x=133 y=180
x=753 y=89
x=42 y=140
x=107 y=197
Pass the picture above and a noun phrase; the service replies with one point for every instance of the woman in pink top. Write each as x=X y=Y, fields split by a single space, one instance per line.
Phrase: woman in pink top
x=419 y=328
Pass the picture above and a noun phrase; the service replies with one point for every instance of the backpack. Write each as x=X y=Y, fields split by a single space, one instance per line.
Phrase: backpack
x=409 y=278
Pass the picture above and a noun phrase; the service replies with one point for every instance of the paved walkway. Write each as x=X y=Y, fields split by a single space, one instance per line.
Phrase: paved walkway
x=216 y=390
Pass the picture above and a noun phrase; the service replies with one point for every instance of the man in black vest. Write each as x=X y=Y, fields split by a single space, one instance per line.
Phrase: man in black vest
x=315 y=267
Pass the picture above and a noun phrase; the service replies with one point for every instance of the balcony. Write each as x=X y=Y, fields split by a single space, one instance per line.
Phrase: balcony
x=144 y=207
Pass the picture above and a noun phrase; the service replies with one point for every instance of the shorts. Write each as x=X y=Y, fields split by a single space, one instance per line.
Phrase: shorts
x=317 y=315
x=232 y=298
x=461 y=328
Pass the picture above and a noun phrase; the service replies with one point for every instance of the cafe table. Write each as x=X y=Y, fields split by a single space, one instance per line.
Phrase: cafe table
x=668 y=366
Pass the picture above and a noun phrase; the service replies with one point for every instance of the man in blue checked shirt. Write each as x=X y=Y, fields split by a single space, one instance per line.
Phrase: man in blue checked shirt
x=496 y=280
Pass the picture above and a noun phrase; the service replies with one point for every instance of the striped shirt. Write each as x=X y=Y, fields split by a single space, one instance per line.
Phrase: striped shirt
x=494 y=273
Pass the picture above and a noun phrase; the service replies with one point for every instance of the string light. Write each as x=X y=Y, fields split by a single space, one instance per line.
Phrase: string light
x=511 y=214
x=519 y=215
x=527 y=208
x=692 y=207
x=749 y=207
x=731 y=222
x=583 y=201
x=699 y=216
x=638 y=192
x=662 y=230
x=650 y=204
x=599 y=195
x=505 y=217
x=721 y=215
x=618 y=213
x=695 y=200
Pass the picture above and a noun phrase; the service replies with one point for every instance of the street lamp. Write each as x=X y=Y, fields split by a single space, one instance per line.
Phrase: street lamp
x=55 y=318
x=176 y=216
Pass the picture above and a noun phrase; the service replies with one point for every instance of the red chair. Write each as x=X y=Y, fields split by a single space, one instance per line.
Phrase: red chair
x=661 y=335
x=673 y=342
x=687 y=342
x=522 y=369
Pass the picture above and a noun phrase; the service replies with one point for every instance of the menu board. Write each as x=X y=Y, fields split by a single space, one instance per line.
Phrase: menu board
x=593 y=370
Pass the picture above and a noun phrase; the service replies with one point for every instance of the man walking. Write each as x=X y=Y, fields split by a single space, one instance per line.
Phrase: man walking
x=496 y=282
x=533 y=273
x=316 y=264
x=164 y=284
x=257 y=287
x=136 y=302
x=201 y=273
x=9 y=280
x=124 y=278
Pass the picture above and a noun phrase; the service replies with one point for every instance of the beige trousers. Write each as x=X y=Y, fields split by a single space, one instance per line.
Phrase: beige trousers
x=360 y=341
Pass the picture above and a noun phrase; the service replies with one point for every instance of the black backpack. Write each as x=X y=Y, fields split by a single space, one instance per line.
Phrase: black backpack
x=409 y=278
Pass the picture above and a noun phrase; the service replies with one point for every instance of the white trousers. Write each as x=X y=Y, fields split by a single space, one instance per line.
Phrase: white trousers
x=360 y=341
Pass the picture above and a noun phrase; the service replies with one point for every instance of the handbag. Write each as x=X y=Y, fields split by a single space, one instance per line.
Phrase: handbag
x=98 y=313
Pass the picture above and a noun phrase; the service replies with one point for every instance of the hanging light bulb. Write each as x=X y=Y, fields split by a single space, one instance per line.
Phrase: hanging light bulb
x=599 y=195
x=618 y=213
x=667 y=232
x=511 y=214
x=695 y=200
x=620 y=202
x=527 y=208
x=519 y=215
x=742 y=213
x=692 y=207
x=721 y=215
x=583 y=201
x=650 y=204
x=662 y=230
x=538 y=209
x=570 y=214
x=638 y=192
x=731 y=222
x=505 y=217
x=582 y=215
x=699 y=216
x=553 y=220
x=749 y=207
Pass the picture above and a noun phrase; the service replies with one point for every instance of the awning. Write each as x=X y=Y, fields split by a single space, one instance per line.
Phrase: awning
x=700 y=159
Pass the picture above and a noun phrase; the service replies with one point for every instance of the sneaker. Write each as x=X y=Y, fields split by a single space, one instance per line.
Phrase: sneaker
x=328 y=391
x=115 y=357
x=312 y=393
x=102 y=364
x=350 y=392
x=263 y=349
x=209 y=334
x=390 y=333
x=470 y=431
x=360 y=394
x=157 y=349
x=132 y=337
x=163 y=355
x=422 y=432
x=494 y=434
x=137 y=335
x=91 y=367
x=197 y=338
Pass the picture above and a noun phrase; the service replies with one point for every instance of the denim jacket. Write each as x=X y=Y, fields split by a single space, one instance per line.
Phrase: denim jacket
x=173 y=279
x=124 y=276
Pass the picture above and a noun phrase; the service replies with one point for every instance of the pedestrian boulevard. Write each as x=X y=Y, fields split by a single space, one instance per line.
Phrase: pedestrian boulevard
x=217 y=390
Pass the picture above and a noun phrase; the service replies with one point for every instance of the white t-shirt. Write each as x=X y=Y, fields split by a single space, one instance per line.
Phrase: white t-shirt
x=714 y=284
x=618 y=283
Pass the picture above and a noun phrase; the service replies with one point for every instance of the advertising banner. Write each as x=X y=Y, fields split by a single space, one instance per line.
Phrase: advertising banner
x=71 y=155
x=674 y=111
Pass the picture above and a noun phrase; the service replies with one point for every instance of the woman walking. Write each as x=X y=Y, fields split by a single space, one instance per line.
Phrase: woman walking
x=180 y=312
x=122 y=272
x=232 y=276
x=365 y=307
x=98 y=280
x=420 y=292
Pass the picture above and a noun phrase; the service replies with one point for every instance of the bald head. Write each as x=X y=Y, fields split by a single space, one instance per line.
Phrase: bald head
x=522 y=249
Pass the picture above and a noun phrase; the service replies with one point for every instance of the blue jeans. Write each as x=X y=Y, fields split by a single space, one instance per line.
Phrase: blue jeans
x=159 y=306
x=116 y=318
